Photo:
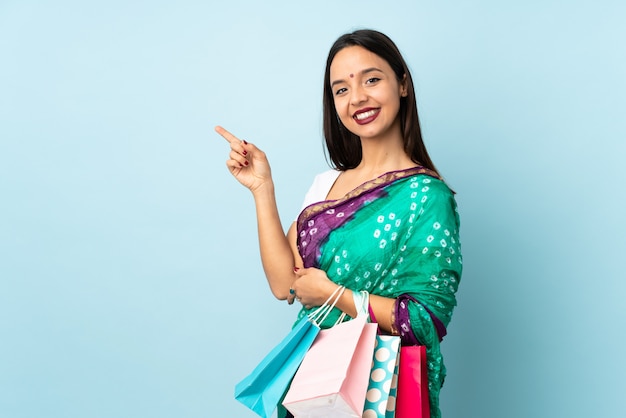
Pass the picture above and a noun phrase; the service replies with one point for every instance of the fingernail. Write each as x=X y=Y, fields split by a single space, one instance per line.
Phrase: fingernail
x=295 y=269
x=244 y=141
x=245 y=152
x=246 y=163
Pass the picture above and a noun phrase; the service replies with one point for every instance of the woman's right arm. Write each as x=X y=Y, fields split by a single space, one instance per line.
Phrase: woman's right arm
x=278 y=252
x=249 y=165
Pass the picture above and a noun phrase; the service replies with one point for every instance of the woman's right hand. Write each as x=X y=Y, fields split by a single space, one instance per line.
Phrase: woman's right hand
x=247 y=163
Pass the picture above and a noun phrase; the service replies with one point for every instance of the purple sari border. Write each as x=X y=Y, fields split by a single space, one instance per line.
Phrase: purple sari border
x=369 y=186
x=403 y=322
x=317 y=221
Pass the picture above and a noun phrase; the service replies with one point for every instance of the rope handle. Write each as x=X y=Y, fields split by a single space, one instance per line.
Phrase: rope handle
x=323 y=311
x=361 y=302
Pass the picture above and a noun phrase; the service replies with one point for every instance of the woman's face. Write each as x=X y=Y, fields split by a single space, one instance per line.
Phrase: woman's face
x=366 y=93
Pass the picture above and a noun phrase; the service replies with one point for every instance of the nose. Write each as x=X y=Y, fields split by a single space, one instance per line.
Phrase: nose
x=358 y=95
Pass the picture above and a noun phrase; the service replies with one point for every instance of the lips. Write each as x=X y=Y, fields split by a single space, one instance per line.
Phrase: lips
x=365 y=116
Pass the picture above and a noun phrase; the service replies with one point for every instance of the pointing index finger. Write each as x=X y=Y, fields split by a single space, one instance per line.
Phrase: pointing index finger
x=226 y=135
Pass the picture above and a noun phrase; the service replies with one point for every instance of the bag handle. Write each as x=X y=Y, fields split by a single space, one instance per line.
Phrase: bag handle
x=361 y=302
x=323 y=311
x=363 y=307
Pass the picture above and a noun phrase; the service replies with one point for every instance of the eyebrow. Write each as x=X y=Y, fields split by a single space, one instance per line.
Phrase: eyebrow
x=365 y=71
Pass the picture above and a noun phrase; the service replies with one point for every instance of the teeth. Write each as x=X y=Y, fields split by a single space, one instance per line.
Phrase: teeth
x=365 y=115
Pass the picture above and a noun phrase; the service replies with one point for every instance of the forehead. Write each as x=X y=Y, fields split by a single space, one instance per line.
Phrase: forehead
x=353 y=59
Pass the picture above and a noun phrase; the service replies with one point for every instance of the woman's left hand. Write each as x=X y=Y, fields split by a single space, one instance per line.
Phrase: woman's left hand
x=312 y=287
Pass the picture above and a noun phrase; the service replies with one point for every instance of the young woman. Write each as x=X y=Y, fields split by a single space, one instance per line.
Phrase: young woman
x=382 y=220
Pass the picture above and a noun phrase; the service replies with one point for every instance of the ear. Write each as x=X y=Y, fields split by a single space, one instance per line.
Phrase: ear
x=403 y=86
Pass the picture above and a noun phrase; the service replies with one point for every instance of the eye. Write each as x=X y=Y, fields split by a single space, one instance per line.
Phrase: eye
x=340 y=91
x=372 y=80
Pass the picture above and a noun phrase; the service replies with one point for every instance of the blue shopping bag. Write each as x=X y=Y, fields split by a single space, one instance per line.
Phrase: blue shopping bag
x=263 y=389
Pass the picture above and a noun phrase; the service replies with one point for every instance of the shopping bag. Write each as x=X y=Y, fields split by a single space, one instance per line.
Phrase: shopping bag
x=333 y=377
x=393 y=391
x=380 y=401
x=412 y=397
x=263 y=388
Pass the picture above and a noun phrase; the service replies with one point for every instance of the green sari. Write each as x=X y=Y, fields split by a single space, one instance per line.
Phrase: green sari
x=397 y=234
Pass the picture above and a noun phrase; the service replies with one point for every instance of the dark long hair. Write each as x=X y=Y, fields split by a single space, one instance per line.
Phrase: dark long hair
x=344 y=147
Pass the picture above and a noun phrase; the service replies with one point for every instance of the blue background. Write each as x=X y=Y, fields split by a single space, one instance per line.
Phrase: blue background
x=130 y=281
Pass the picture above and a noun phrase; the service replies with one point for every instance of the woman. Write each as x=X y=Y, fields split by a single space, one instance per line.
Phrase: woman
x=382 y=221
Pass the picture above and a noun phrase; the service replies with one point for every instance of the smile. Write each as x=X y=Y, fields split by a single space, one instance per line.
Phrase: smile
x=366 y=115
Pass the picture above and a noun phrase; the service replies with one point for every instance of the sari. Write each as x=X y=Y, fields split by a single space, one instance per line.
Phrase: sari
x=394 y=235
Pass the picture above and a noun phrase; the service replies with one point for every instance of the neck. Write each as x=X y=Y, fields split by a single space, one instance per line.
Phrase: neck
x=381 y=155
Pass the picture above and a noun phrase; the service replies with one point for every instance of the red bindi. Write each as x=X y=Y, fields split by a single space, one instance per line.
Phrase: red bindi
x=351 y=75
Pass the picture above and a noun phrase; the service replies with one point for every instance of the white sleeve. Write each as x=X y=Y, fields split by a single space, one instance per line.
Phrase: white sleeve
x=322 y=184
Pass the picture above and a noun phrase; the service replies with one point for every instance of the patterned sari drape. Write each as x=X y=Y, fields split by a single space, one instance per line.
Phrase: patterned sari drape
x=397 y=234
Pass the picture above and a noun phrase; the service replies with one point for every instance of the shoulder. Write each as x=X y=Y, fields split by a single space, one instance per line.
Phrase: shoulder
x=322 y=182
x=431 y=186
x=437 y=185
x=435 y=194
x=320 y=187
x=328 y=176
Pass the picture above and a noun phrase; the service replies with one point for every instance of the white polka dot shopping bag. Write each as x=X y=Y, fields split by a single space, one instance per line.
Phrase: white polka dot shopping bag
x=380 y=401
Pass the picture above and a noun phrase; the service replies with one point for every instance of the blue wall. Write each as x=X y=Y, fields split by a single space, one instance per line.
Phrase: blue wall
x=130 y=282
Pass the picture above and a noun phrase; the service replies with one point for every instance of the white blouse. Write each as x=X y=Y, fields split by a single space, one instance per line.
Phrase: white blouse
x=322 y=183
